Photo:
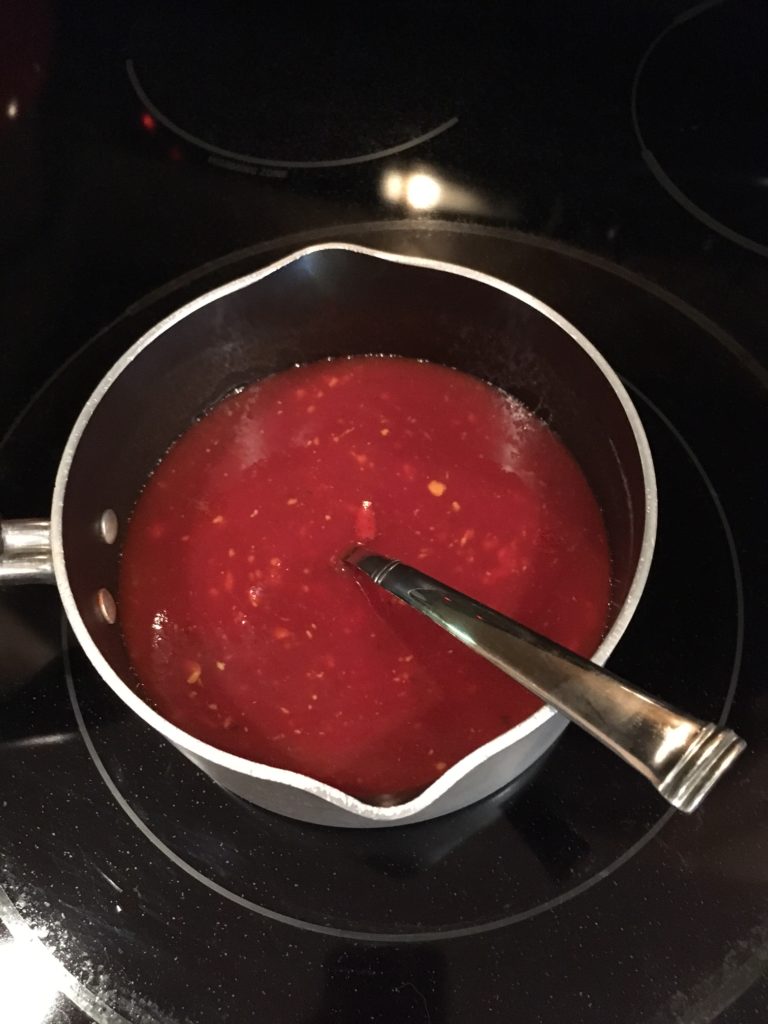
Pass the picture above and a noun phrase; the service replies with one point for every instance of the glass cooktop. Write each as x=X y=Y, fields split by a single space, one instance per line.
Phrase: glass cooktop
x=132 y=888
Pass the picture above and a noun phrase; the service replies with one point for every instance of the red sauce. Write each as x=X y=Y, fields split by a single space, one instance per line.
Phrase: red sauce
x=244 y=631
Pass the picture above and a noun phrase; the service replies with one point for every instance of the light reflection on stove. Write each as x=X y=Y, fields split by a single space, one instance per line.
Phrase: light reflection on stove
x=419 y=191
x=29 y=982
x=422 y=190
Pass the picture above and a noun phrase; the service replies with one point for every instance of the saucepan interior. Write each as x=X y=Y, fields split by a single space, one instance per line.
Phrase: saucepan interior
x=337 y=300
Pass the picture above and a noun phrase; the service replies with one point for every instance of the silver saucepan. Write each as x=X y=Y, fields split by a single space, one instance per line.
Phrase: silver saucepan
x=332 y=300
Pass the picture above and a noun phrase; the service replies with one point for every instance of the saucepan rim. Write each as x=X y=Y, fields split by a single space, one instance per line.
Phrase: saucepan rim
x=254 y=769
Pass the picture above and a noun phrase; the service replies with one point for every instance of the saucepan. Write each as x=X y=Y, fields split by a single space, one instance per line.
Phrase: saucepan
x=333 y=299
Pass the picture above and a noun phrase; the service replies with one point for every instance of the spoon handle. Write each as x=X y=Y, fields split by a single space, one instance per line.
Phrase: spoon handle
x=683 y=757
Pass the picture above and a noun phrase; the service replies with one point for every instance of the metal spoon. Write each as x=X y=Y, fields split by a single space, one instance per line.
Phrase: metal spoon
x=683 y=757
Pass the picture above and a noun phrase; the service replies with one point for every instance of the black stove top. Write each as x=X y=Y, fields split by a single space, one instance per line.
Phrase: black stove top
x=568 y=152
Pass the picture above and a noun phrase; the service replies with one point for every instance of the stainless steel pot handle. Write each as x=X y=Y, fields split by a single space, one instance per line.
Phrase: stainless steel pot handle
x=25 y=551
x=682 y=756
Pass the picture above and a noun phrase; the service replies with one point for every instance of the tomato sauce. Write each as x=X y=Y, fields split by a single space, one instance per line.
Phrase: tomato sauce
x=245 y=631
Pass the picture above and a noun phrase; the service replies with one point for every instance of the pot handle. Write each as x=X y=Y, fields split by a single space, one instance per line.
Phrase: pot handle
x=25 y=551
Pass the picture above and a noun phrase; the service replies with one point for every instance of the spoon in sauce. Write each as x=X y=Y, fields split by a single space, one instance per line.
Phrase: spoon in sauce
x=682 y=756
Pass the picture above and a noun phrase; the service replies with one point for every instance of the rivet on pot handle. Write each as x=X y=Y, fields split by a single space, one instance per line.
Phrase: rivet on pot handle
x=25 y=551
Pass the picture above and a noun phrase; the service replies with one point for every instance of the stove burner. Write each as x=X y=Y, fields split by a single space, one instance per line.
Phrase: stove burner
x=427 y=859
x=328 y=87
x=162 y=897
x=700 y=109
